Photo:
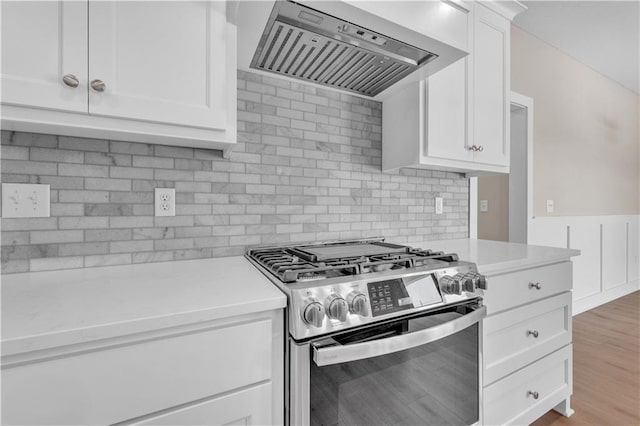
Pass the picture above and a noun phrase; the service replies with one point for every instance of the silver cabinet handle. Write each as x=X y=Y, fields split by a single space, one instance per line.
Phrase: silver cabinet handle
x=475 y=148
x=98 y=85
x=537 y=286
x=479 y=148
x=534 y=394
x=70 y=80
x=533 y=333
x=335 y=353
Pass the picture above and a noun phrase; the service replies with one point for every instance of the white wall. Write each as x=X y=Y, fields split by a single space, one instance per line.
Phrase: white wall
x=587 y=141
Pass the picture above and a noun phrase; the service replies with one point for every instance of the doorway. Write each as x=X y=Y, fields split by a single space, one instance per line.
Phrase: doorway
x=502 y=203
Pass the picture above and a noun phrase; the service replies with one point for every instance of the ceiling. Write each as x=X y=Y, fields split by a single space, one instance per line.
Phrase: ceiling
x=604 y=35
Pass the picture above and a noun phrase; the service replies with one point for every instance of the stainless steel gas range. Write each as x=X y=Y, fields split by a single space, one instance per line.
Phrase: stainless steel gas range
x=379 y=333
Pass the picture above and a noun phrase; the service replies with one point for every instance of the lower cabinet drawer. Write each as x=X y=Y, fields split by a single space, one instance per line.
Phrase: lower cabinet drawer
x=125 y=382
x=515 y=338
x=527 y=394
x=246 y=407
x=522 y=287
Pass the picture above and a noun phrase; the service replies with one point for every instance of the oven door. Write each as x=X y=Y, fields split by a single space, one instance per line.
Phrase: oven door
x=418 y=370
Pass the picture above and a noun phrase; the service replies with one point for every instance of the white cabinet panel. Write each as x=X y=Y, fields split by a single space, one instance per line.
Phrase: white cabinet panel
x=247 y=407
x=160 y=61
x=510 y=400
x=518 y=288
x=491 y=87
x=42 y=42
x=447 y=129
x=129 y=381
x=518 y=337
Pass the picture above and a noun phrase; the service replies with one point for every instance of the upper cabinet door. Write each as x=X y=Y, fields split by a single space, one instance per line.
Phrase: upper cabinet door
x=491 y=87
x=447 y=121
x=42 y=42
x=159 y=61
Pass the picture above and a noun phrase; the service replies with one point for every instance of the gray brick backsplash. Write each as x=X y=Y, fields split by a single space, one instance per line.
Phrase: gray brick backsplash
x=307 y=166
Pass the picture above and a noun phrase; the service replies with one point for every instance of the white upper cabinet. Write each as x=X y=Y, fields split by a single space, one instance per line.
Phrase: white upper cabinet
x=158 y=72
x=159 y=61
x=491 y=87
x=42 y=43
x=457 y=119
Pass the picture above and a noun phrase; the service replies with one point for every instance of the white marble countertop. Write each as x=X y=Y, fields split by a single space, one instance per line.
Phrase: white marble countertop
x=43 y=310
x=493 y=257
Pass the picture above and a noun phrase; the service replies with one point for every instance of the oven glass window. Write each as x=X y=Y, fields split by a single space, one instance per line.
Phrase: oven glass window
x=433 y=384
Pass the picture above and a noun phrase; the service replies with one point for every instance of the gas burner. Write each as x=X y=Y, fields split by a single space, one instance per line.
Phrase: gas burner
x=309 y=262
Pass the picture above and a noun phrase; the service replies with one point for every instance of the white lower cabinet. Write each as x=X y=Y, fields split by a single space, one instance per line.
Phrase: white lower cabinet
x=220 y=372
x=527 y=350
x=529 y=393
x=246 y=407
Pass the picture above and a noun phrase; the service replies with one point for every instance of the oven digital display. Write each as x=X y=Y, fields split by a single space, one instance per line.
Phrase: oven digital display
x=388 y=296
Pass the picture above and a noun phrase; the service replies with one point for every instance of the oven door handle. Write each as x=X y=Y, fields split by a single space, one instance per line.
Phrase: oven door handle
x=336 y=353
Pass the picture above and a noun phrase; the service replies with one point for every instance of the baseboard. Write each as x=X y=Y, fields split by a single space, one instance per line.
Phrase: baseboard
x=590 y=302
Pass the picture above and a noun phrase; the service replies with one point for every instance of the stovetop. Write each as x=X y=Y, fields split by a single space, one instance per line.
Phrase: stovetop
x=342 y=258
x=337 y=285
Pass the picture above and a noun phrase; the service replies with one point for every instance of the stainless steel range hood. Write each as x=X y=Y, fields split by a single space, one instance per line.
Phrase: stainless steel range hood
x=336 y=44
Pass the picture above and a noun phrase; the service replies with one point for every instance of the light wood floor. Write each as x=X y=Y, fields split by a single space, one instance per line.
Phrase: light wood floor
x=606 y=366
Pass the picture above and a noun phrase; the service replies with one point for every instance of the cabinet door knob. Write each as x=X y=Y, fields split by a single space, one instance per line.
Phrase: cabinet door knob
x=98 y=85
x=534 y=394
x=533 y=333
x=480 y=148
x=70 y=80
x=537 y=286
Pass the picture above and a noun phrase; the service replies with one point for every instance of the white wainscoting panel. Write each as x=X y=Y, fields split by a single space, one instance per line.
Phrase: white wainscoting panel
x=586 y=267
x=609 y=264
x=614 y=254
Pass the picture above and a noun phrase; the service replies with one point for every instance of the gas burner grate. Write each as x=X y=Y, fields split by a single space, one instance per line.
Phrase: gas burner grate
x=299 y=263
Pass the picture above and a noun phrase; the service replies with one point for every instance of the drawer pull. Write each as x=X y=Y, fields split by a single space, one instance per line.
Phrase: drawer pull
x=534 y=394
x=533 y=333
x=537 y=286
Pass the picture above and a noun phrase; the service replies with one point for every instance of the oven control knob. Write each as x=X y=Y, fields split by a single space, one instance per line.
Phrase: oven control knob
x=481 y=281
x=465 y=283
x=336 y=307
x=449 y=285
x=313 y=312
x=469 y=282
x=357 y=303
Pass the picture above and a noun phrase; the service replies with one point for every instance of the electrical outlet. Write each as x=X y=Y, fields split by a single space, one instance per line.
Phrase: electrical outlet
x=484 y=206
x=25 y=200
x=549 y=206
x=439 y=205
x=165 y=201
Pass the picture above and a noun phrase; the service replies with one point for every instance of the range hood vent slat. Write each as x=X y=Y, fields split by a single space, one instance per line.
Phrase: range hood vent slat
x=320 y=52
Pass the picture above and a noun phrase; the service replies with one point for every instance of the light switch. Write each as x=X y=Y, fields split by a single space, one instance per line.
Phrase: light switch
x=25 y=200
x=484 y=206
x=439 y=205
x=549 y=206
